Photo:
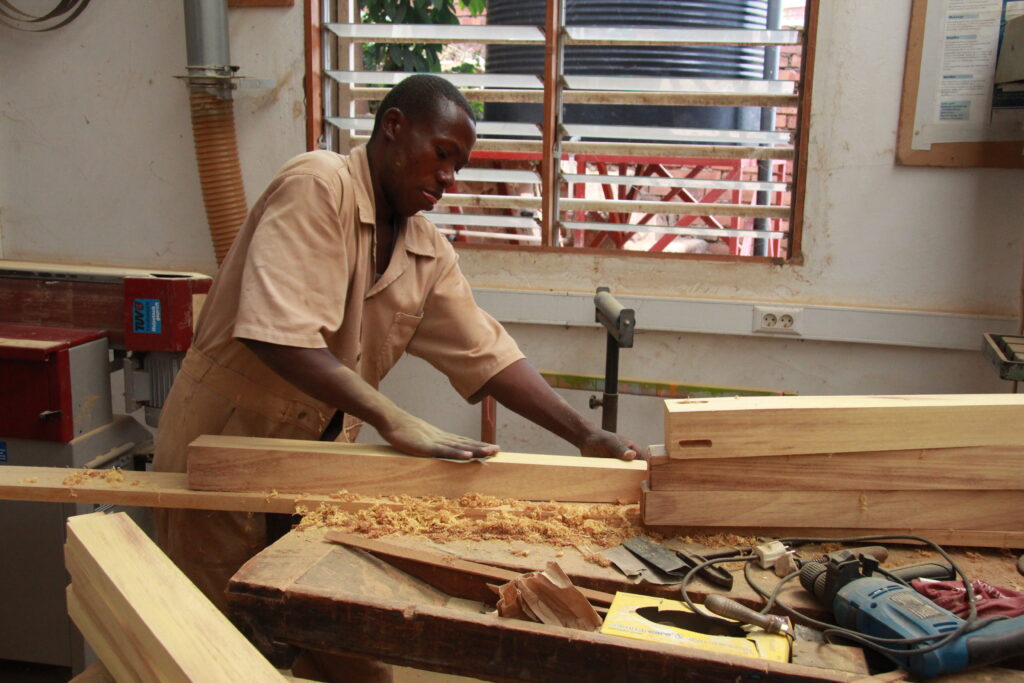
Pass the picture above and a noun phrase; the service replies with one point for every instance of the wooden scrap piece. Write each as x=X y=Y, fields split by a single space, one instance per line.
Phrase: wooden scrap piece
x=234 y=463
x=972 y=468
x=149 y=619
x=783 y=425
x=457 y=577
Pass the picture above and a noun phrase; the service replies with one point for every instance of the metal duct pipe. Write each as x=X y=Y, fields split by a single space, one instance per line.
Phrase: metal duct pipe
x=206 y=34
x=213 y=120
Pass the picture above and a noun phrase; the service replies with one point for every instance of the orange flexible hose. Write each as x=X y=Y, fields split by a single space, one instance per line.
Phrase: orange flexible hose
x=220 y=174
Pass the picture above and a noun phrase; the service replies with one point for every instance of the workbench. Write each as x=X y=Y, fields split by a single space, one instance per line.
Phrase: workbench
x=305 y=592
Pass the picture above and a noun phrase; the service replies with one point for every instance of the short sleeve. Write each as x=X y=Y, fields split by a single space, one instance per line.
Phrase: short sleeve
x=294 y=281
x=459 y=338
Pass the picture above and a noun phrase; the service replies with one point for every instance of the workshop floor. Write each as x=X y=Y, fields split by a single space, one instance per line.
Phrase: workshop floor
x=24 y=672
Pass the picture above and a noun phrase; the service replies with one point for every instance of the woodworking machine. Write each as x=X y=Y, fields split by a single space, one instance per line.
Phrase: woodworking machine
x=63 y=331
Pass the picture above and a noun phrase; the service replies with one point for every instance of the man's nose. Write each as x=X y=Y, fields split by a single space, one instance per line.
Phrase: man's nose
x=447 y=177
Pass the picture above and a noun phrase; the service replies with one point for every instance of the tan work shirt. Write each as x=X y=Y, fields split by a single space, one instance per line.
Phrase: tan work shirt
x=301 y=273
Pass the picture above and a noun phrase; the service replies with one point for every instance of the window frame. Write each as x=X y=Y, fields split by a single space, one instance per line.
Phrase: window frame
x=320 y=52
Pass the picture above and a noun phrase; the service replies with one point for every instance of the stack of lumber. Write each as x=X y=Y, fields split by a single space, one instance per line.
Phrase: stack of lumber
x=145 y=620
x=238 y=463
x=946 y=467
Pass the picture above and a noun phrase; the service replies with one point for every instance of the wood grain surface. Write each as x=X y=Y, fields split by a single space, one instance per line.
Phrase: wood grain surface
x=971 y=468
x=163 y=627
x=231 y=463
x=785 y=425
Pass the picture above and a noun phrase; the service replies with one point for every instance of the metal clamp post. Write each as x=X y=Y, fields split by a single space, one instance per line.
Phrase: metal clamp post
x=620 y=323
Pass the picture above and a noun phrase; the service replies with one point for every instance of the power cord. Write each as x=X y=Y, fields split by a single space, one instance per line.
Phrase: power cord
x=876 y=643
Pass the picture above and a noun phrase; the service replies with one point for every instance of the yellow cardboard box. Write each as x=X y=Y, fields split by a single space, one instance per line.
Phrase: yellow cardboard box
x=623 y=620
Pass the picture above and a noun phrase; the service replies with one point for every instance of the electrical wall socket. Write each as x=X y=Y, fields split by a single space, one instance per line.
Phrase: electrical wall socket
x=777 y=320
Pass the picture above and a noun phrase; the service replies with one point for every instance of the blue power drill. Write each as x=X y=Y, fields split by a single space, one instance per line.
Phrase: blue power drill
x=876 y=607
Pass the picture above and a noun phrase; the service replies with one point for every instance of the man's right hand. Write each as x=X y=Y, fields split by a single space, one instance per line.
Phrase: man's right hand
x=414 y=436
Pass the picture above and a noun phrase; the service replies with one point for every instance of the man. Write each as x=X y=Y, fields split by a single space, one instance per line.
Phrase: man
x=331 y=278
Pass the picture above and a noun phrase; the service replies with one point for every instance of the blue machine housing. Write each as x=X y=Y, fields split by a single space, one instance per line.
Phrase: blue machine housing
x=878 y=607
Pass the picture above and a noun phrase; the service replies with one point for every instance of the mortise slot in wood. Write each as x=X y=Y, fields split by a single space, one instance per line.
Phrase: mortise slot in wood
x=695 y=443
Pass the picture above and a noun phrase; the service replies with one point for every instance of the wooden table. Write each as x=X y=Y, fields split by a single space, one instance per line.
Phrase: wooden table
x=308 y=593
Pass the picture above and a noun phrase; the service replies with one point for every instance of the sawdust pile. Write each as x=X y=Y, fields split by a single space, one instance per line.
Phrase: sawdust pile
x=475 y=517
x=111 y=476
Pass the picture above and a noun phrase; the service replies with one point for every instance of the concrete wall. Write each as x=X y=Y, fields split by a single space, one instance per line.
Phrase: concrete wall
x=97 y=166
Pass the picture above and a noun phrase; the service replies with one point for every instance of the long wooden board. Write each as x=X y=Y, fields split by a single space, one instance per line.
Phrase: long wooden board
x=165 y=623
x=972 y=468
x=231 y=463
x=151 y=489
x=990 y=511
x=967 y=538
x=786 y=425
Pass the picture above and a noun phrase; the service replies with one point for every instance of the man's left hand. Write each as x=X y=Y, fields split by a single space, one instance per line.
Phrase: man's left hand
x=602 y=444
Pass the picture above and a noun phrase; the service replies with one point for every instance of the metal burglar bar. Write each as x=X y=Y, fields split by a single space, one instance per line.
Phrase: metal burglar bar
x=633 y=184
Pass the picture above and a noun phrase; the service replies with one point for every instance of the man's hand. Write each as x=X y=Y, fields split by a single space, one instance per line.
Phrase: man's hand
x=602 y=444
x=414 y=436
x=520 y=388
x=318 y=373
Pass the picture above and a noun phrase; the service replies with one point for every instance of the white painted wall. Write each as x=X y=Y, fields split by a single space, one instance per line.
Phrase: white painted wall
x=97 y=166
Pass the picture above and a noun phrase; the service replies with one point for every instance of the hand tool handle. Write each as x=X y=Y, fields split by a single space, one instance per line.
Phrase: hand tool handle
x=730 y=609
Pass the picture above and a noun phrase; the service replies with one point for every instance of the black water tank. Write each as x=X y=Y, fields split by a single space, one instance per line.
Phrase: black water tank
x=627 y=60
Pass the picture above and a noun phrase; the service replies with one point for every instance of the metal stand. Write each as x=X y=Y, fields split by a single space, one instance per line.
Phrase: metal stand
x=620 y=323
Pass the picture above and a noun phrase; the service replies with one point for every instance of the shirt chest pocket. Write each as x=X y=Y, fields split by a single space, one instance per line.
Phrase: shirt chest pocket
x=403 y=327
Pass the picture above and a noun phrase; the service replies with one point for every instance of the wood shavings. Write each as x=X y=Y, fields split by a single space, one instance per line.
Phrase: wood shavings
x=974 y=555
x=475 y=517
x=113 y=476
x=520 y=552
x=29 y=480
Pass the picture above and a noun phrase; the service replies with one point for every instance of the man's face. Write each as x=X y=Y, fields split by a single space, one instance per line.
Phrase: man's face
x=423 y=156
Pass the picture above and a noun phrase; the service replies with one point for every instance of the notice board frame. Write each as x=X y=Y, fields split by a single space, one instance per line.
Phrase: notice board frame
x=988 y=154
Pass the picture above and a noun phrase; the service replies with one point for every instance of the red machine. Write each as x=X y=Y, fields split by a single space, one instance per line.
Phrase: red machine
x=64 y=330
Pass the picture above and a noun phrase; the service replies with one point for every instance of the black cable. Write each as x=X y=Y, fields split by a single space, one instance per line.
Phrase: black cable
x=873 y=642
x=707 y=563
x=65 y=11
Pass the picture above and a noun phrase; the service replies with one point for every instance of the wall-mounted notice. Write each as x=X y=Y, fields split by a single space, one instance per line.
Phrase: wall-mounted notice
x=950 y=78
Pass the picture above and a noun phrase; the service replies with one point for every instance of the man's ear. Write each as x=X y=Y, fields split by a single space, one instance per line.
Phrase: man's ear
x=392 y=122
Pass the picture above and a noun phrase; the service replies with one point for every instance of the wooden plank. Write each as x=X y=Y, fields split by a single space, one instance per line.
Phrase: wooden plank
x=869 y=510
x=946 y=537
x=448 y=573
x=99 y=637
x=972 y=468
x=786 y=425
x=97 y=673
x=233 y=463
x=178 y=628
x=152 y=489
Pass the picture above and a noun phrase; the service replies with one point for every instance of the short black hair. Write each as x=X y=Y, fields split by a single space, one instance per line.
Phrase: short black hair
x=419 y=95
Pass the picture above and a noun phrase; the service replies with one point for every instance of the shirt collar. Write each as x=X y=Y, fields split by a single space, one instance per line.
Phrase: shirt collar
x=416 y=234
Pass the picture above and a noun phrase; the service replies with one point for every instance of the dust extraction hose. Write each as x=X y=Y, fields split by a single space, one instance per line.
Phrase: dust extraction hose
x=220 y=173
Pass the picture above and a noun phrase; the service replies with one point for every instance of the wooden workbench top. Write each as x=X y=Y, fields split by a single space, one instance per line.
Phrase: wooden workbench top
x=313 y=594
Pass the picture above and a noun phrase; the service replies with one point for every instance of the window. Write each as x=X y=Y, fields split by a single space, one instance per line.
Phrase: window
x=670 y=132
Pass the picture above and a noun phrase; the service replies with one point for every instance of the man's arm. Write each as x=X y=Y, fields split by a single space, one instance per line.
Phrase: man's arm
x=520 y=388
x=318 y=373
